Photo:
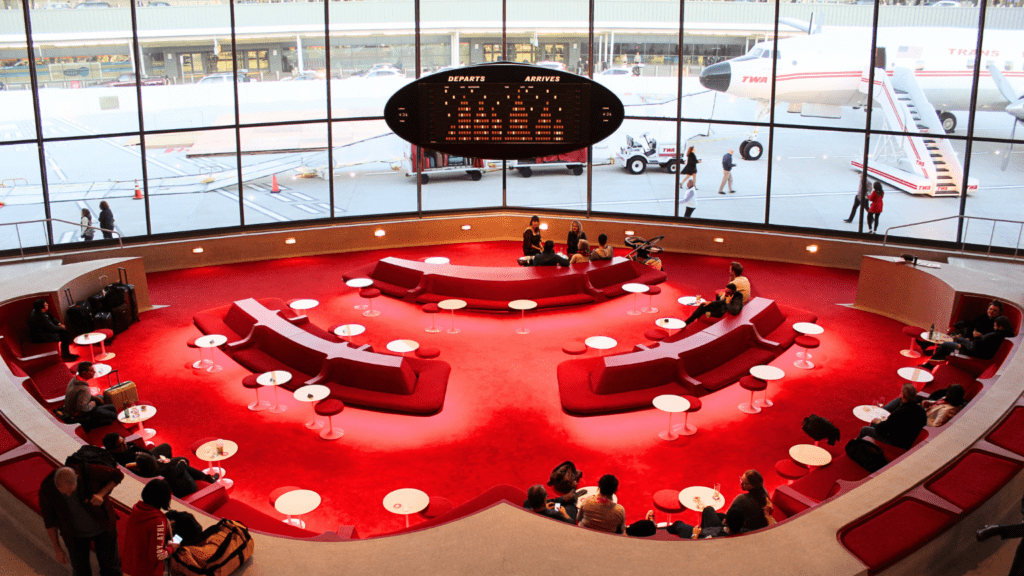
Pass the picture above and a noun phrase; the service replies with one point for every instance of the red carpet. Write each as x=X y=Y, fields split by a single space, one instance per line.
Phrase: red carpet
x=502 y=421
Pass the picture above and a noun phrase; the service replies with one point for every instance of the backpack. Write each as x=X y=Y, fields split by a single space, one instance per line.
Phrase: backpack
x=91 y=455
x=869 y=456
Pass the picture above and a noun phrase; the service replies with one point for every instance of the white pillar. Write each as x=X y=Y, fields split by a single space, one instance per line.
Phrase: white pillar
x=611 y=49
x=455 y=49
x=131 y=57
x=298 y=48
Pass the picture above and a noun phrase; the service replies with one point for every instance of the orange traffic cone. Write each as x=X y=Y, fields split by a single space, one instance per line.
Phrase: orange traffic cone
x=138 y=191
x=274 y=188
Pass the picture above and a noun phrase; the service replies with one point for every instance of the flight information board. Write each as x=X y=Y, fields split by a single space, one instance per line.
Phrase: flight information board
x=504 y=111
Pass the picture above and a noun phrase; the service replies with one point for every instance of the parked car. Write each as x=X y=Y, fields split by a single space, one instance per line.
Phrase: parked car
x=91 y=4
x=617 y=72
x=385 y=73
x=305 y=76
x=551 y=64
x=57 y=6
x=224 y=77
x=129 y=80
x=945 y=4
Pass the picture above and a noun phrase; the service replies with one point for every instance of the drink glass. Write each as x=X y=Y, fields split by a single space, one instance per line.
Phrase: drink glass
x=718 y=495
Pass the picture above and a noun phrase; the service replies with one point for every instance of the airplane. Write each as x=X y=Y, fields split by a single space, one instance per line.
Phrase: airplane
x=1015 y=109
x=820 y=73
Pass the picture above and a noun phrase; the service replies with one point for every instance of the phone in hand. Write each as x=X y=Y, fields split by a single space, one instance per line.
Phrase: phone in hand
x=176 y=539
x=558 y=506
x=582 y=492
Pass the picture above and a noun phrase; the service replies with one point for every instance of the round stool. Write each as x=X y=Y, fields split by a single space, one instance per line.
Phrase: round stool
x=656 y=334
x=574 y=348
x=695 y=405
x=428 y=352
x=754 y=385
x=369 y=294
x=807 y=343
x=652 y=291
x=330 y=407
x=211 y=469
x=790 y=470
x=437 y=507
x=912 y=332
x=432 y=309
x=198 y=364
x=251 y=383
x=104 y=355
x=668 y=502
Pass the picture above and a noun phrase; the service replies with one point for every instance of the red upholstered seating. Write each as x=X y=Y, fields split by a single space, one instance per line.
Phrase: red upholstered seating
x=892 y=452
x=259 y=521
x=790 y=470
x=775 y=324
x=330 y=407
x=547 y=291
x=668 y=502
x=656 y=334
x=574 y=348
x=438 y=506
x=1010 y=434
x=391 y=278
x=49 y=374
x=981 y=368
x=973 y=479
x=722 y=361
x=512 y=495
x=428 y=352
x=822 y=483
x=22 y=477
x=912 y=332
x=608 y=280
x=416 y=386
x=894 y=531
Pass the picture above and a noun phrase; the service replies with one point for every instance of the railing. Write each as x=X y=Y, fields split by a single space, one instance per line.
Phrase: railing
x=45 y=222
x=963 y=242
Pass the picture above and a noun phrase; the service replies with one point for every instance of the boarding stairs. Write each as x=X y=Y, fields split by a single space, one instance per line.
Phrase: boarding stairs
x=914 y=162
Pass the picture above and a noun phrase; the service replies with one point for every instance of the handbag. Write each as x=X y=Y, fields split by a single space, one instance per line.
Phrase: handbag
x=224 y=547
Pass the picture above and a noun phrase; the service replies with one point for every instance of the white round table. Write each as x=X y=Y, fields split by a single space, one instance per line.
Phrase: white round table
x=304 y=304
x=868 y=413
x=403 y=346
x=937 y=338
x=807 y=329
x=312 y=393
x=915 y=374
x=636 y=290
x=696 y=498
x=810 y=455
x=766 y=373
x=452 y=304
x=601 y=343
x=100 y=371
x=405 y=501
x=145 y=412
x=275 y=378
x=210 y=454
x=90 y=338
x=210 y=341
x=349 y=330
x=670 y=403
x=670 y=323
x=358 y=283
x=297 y=503
x=522 y=305
x=437 y=260
x=691 y=301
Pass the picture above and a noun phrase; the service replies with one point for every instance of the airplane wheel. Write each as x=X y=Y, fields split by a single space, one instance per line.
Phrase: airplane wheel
x=475 y=175
x=743 y=149
x=577 y=170
x=754 y=150
x=948 y=122
x=424 y=179
x=636 y=165
x=526 y=172
x=671 y=166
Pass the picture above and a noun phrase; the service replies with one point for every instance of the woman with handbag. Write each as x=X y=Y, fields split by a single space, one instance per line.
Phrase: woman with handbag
x=87 y=231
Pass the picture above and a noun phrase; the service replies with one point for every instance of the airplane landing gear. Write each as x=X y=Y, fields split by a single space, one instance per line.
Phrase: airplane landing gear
x=948 y=121
x=751 y=150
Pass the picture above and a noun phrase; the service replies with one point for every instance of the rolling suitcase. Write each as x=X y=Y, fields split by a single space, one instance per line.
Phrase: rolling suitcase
x=122 y=282
x=120 y=394
x=101 y=320
x=122 y=316
x=96 y=302
x=79 y=318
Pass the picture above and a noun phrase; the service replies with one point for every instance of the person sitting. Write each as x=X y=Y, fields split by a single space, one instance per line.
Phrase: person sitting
x=603 y=251
x=81 y=406
x=600 y=512
x=548 y=256
x=900 y=429
x=177 y=471
x=908 y=395
x=558 y=508
x=148 y=534
x=576 y=234
x=730 y=301
x=124 y=453
x=980 y=347
x=43 y=328
x=583 y=255
x=565 y=477
x=939 y=411
x=531 y=237
x=736 y=277
x=749 y=511
x=979 y=325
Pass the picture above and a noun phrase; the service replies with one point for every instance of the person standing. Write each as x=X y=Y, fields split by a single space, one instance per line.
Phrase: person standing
x=87 y=231
x=637 y=63
x=148 y=534
x=690 y=170
x=859 y=198
x=576 y=234
x=73 y=501
x=531 y=237
x=106 y=220
x=689 y=199
x=727 y=166
x=875 y=208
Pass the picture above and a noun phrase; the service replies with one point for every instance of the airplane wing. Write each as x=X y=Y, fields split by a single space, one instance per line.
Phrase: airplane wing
x=1016 y=106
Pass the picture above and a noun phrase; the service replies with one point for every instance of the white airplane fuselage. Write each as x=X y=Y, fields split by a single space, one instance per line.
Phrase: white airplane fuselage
x=827 y=68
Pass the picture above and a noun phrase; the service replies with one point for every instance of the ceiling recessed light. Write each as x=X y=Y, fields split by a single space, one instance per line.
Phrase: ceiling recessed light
x=812 y=248
x=380 y=232
x=544 y=226
x=466 y=227
x=630 y=233
x=719 y=240
x=197 y=250
x=289 y=241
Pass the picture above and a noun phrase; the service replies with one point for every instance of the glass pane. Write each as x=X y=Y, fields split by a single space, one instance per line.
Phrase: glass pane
x=22 y=195
x=18 y=120
x=372 y=172
x=188 y=77
x=1002 y=70
x=69 y=59
x=998 y=194
x=193 y=180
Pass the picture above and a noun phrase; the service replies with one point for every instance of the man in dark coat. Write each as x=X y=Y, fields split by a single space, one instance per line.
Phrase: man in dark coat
x=43 y=327
x=901 y=428
x=74 y=502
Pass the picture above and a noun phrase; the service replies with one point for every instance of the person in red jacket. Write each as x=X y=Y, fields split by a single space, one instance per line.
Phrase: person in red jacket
x=875 y=209
x=148 y=534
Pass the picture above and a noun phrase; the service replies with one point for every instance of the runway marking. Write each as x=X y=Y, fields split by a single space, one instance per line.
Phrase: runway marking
x=54 y=166
x=305 y=208
x=254 y=206
x=325 y=207
x=66 y=238
x=303 y=197
x=802 y=158
x=281 y=198
x=136 y=153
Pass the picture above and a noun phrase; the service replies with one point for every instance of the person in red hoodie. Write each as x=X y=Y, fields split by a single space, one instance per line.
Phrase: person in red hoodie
x=148 y=534
x=875 y=209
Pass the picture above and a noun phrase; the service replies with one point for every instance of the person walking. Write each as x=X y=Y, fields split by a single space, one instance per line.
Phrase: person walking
x=727 y=166
x=690 y=170
x=87 y=231
x=875 y=208
x=106 y=220
x=689 y=199
x=858 y=199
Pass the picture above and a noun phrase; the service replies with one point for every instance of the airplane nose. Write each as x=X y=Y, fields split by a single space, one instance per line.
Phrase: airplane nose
x=716 y=77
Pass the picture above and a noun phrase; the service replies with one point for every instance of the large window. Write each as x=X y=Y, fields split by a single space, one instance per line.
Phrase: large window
x=278 y=119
